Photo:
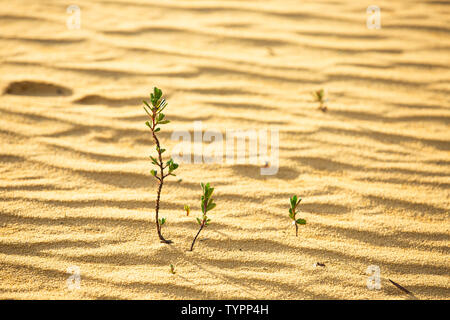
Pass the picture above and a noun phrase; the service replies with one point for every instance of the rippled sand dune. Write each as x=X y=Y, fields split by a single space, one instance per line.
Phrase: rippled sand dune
x=373 y=171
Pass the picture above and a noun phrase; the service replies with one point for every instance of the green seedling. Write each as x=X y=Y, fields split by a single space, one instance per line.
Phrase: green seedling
x=187 y=209
x=172 y=269
x=157 y=118
x=319 y=96
x=207 y=204
x=293 y=213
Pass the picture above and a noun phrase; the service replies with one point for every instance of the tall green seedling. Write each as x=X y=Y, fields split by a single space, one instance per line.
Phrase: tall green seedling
x=157 y=118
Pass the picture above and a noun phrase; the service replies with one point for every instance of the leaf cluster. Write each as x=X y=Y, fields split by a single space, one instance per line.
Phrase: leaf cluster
x=319 y=95
x=154 y=110
x=207 y=203
x=162 y=221
x=293 y=210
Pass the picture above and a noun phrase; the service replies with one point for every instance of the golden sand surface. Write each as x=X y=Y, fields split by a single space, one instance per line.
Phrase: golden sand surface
x=373 y=171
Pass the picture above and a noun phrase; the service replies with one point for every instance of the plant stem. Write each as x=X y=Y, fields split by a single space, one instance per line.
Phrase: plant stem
x=161 y=182
x=193 y=242
x=295 y=219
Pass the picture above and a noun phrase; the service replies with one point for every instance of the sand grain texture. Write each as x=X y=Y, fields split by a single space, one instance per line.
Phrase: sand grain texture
x=373 y=172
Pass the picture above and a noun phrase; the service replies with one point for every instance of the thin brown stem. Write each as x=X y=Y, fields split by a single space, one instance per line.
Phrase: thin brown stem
x=295 y=218
x=193 y=242
x=161 y=181
x=201 y=226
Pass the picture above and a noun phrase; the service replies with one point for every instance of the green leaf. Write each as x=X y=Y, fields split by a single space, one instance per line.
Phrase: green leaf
x=319 y=95
x=300 y=221
x=157 y=129
x=149 y=114
x=148 y=124
x=293 y=201
x=154 y=161
x=163 y=122
x=291 y=214
x=208 y=193
x=153 y=172
x=149 y=106
x=158 y=92
x=210 y=206
x=199 y=221
x=162 y=105
x=172 y=166
x=155 y=96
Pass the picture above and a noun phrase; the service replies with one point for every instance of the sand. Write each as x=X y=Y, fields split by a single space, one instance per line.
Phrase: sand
x=373 y=171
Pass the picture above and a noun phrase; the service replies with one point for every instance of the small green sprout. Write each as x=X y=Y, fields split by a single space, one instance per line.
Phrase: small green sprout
x=292 y=213
x=207 y=204
x=319 y=96
x=187 y=209
x=157 y=118
x=172 y=269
